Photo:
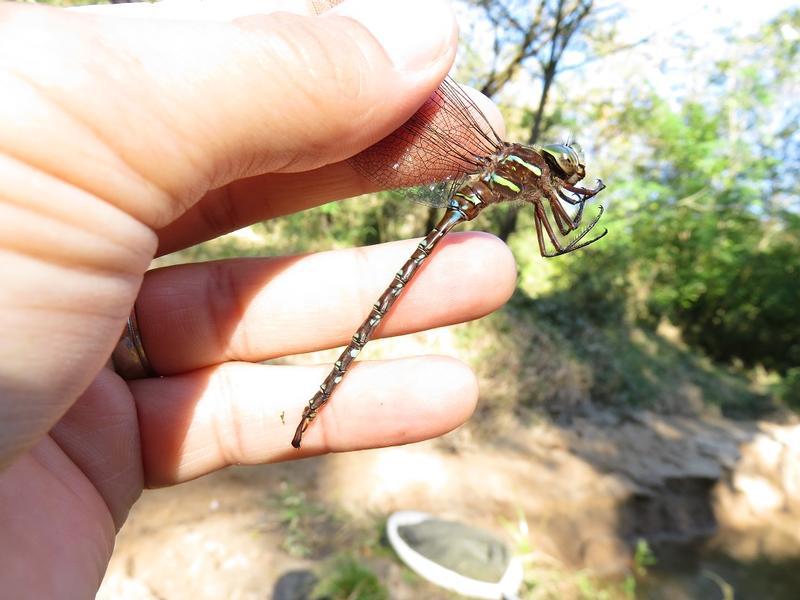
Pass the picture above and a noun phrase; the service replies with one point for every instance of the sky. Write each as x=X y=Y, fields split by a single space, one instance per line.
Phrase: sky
x=670 y=25
x=684 y=40
x=695 y=18
x=669 y=29
x=700 y=22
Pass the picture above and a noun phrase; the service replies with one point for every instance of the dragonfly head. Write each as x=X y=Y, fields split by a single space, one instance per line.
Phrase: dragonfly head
x=567 y=160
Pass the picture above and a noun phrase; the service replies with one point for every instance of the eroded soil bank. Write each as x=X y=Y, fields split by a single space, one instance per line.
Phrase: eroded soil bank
x=574 y=497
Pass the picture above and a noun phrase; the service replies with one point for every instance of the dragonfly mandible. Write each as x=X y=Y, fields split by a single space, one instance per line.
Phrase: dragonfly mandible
x=452 y=139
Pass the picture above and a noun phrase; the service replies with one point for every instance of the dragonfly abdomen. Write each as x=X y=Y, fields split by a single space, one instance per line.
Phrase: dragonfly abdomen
x=364 y=333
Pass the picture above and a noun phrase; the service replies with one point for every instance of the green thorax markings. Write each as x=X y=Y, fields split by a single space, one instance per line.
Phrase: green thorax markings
x=505 y=182
x=473 y=197
x=532 y=168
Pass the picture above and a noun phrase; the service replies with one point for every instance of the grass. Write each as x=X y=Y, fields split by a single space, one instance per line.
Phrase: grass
x=313 y=529
x=307 y=525
x=546 y=578
x=537 y=355
x=345 y=577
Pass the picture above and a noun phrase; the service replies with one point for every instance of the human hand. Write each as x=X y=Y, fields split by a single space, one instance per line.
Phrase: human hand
x=122 y=139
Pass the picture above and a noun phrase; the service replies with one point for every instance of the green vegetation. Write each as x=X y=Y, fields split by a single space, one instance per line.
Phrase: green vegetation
x=346 y=578
x=307 y=525
x=715 y=255
x=704 y=240
x=545 y=577
x=704 y=218
x=349 y=547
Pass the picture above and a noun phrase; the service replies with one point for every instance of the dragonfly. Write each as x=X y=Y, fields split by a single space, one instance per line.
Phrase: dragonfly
x=452 y=141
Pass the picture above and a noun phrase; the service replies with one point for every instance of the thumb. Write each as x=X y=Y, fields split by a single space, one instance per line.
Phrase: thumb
x=175 y=108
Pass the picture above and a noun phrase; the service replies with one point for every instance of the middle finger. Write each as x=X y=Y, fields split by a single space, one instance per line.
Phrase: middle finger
x=192 y=316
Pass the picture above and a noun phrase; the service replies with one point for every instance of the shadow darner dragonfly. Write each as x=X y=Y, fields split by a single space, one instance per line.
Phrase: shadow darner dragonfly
x=451 y=140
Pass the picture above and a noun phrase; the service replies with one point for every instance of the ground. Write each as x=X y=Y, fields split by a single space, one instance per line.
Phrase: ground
x=573 y=498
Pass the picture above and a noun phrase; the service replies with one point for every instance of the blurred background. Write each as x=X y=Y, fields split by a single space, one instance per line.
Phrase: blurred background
x=637 y=433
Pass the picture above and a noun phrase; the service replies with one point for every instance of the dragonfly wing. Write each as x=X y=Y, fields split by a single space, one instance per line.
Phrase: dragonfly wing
x=435 y=195
x=446 y=138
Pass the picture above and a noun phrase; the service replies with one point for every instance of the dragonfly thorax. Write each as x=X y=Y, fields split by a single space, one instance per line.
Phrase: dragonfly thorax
x=514 y=172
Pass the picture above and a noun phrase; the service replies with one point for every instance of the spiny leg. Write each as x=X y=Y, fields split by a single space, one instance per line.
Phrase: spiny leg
x=543 y=225
x=584 y=193
x=560 y=216
x=573 y=245
x=565 y=223
x=541 y=221
x=537 y=220
x=563 y=220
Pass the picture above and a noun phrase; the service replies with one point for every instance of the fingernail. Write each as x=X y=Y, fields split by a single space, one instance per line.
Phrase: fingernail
x=414 y=33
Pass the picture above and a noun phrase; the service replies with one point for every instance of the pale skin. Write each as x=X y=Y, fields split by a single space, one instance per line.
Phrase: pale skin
x=123 y=139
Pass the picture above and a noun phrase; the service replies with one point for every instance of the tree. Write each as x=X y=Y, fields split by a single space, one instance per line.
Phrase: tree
x=530 y=36
x=710 y=205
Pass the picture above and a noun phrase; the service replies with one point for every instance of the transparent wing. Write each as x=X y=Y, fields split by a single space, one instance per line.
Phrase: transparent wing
x=446 y=138
x=434 y=194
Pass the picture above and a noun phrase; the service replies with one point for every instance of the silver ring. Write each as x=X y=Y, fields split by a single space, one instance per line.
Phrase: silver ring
x=129 y=358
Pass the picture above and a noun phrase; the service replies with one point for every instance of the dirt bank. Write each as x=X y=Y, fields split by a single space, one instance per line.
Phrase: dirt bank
x=585 y=493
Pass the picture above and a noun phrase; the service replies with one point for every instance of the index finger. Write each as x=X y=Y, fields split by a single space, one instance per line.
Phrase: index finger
x=264 y=197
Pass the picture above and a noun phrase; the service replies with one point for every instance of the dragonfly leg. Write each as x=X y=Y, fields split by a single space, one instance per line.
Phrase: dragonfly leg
x=537 y=219
x=564 y=222
x=573 y=245
x=584 y=193
x=543 y=225
x=583 y=196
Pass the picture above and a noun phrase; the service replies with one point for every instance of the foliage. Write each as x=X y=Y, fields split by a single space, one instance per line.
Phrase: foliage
x=707 y=231
x=546 y=577
x=540 y=355
x=346 y=578
x=306 y=524
x=789 y=388
x=643 y=558
x=591 y=588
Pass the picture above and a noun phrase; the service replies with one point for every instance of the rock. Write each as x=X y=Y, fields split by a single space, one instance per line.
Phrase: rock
x=294 y=585
x=761 y=496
